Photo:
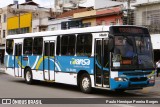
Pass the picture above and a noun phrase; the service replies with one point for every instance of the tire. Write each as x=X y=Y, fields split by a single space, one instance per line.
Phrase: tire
x=85 y=83
x=28 y=76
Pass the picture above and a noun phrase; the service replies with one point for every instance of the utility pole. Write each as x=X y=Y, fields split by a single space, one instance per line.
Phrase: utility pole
x=128 y=12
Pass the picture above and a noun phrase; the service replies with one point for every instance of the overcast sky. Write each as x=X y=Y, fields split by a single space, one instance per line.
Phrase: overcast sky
x=44 y=3
x=49 y=3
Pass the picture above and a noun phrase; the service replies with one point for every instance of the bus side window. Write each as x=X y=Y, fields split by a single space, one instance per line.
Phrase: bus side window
x=71 y=45
x=58 y=50
x=68 y=45
x=9 y=46
x=27 y=46
x=84 y=45
x=64 y=45
x=37 y=46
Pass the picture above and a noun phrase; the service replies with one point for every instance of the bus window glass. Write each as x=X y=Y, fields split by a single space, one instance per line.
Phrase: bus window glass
x=84 y=44
x=52 y=48
x=58 y=45
x=27 y=46
x=18 y=50
x=9 y=46
x=71 y=45
x=37 y=46
x=68 y=45
x=64 y=45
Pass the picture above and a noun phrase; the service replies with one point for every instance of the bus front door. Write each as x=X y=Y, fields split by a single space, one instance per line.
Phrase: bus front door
x=18 y=60
x=49 y=51
x=101 y=63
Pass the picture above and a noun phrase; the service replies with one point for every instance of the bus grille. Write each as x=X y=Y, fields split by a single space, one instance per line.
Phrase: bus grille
x=138 y=79
x=136 y=73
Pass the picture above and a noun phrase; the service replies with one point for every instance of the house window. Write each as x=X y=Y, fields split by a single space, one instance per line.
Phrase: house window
x=111 y=23
x=103 y=22
x=4 y=18
x=87 y=24
x=117 y=21
x=4 y=33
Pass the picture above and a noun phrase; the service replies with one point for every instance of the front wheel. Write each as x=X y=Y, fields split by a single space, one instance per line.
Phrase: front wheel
x=85 y=83
x=28 y=76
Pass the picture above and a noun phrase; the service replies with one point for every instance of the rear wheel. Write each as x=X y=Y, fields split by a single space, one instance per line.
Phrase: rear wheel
x=28 y=76
x=85 y=83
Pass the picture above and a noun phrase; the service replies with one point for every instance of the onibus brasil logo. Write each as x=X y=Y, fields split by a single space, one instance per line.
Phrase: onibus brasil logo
x=80 y=61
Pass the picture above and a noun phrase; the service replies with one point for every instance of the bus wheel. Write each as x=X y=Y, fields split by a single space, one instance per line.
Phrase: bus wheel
x=85 y=83
x=28 y=76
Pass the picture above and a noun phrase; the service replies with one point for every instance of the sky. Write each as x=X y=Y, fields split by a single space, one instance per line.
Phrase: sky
x=43 y=3
x=49 y=3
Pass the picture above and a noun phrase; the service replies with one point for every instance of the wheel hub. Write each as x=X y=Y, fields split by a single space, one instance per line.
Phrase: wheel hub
x=85 y=83
x=28 y=76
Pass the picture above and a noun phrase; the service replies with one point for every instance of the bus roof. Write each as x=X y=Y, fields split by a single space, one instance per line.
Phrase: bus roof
x=61 y=32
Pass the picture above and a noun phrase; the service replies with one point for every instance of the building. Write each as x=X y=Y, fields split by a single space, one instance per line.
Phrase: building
x=110 y=16
x=148 y=14
x=88 y=18
x=3 y=30
x=64 y=20
x=19 y=18
x=40 y=19
x=104 y=13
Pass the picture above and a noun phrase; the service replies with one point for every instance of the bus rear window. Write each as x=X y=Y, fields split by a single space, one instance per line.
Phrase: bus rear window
x=9 y=46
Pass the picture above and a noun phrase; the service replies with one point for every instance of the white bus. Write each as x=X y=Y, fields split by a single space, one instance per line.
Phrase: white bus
x=108 y=57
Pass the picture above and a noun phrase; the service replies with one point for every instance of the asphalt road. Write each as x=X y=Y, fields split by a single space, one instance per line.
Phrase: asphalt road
x=11 y=87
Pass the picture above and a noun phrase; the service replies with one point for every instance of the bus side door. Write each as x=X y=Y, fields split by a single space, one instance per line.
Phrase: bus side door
x=102 y=71
x=49 y=58
x=18 y=60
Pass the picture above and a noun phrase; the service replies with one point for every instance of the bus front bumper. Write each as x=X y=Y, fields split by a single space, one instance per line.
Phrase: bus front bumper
x=131 y=83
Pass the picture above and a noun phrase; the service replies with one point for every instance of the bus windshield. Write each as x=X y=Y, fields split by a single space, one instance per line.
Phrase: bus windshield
x=132 y=52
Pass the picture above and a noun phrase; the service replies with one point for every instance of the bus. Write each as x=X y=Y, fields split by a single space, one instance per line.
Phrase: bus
x=114 y=58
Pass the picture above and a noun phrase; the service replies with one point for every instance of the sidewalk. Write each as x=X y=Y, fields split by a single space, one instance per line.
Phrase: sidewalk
x=2 y=68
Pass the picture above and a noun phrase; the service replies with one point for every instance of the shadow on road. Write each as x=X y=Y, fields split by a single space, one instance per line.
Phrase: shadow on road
x=99 y=92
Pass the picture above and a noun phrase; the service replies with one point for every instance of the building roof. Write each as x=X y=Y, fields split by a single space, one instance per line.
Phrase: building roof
x=146 y=4
x=71 y=12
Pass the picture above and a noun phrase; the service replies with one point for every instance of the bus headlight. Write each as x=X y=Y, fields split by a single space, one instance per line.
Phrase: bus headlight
x=152 y=77
x=120 y=79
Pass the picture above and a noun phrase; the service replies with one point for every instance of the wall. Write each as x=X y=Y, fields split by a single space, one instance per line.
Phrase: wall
x=84 y=14
x=139 y=10
x=108 y=16
x=55 y=24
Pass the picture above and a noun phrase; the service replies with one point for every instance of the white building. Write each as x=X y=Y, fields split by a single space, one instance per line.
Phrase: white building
x=148 y=14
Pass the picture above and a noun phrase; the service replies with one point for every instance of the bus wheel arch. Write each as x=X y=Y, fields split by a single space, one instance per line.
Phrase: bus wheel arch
x=28 y=75
x=84 y=81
